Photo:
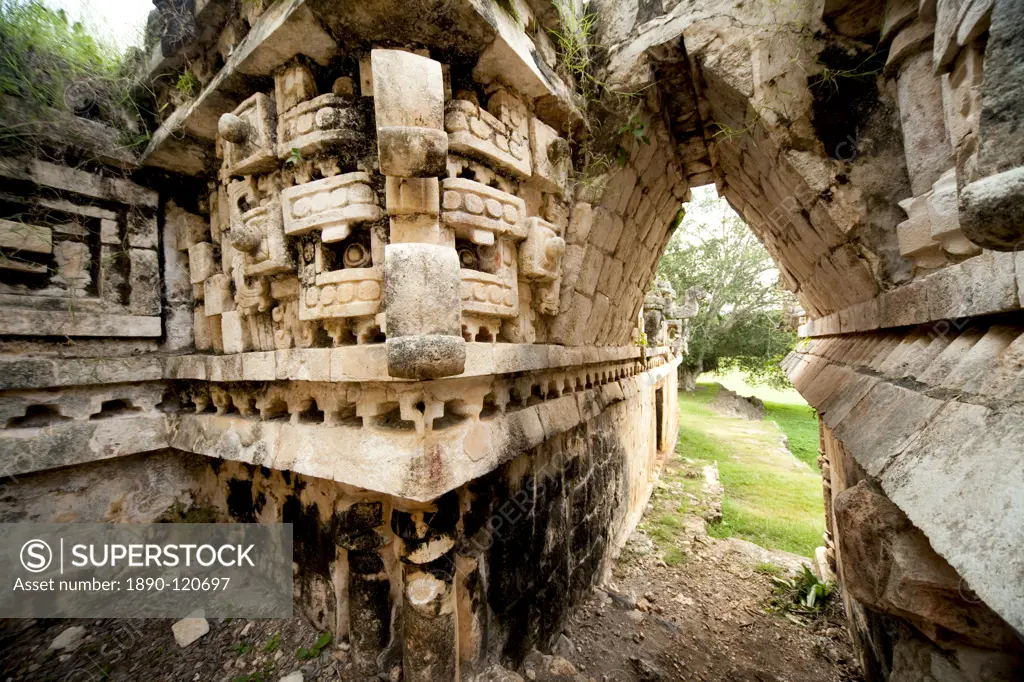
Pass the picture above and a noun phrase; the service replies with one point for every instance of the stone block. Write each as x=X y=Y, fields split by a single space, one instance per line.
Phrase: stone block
x=569 y=326
x=144 y=282
x=224 y=367
x=425 y=356
x=947 y=23
x=590 y=271
x=551 y=156
x=422 y=290
x=304 y=364
x=479 y=359
x=260 y=366
x=203 y=337
x=234 y=335
x=920 y=97
x=580 y=223
x=992 y=213
x=412 y=196
x=217 y=296
x=558 y=416
x=359 y=363
x=860 y=316
x=904 y=305
x=202 y=262
x=408 y=95
x=879 y=425
x=142 y=229
x=978 y=363
x=952 y=354
x=956 y=483
x=187 y=367
x=188 y=630
x=977 y=286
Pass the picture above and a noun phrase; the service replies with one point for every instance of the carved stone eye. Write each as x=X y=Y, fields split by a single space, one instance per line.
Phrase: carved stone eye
x=328 y=117
x=356 y=256
x=467 y=258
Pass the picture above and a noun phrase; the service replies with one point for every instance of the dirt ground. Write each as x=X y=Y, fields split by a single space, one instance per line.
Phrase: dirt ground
x=144 y=650
x=709 y=619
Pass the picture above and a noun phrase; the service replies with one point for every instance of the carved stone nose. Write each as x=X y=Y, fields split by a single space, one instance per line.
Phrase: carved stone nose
x=232 y=128
x=555 y=248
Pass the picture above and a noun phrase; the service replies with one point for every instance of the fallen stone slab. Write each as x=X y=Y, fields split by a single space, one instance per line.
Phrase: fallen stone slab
x=188 y=630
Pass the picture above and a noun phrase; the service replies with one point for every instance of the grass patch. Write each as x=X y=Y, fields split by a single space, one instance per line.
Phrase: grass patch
x=769 y=498
x=785 y=407
x=50 y=63
x=800 y=424
x=673 y=556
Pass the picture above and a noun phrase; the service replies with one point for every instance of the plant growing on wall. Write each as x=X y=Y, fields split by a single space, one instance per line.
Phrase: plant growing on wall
x=603 y=115
x=50 y=66
x=741 y=323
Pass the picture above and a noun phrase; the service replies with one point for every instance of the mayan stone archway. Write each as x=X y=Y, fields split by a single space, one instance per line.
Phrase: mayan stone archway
x=369 y=280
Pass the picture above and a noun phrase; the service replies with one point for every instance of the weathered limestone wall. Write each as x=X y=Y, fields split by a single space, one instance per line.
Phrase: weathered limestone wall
x=482 y=574
x=368 y=256
x=868 y=145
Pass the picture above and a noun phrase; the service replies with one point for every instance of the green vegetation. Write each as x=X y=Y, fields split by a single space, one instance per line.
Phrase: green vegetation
x=272 y=643
x=804 y=594
x=770 y=498
x=187 y=84
x=51 y=64
x=741 y=321
x=767 y=568
x=304 y=654
x=605 y=113
x=785 y=407
x=673 y=556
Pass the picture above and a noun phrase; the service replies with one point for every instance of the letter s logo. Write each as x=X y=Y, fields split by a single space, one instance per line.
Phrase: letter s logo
x=36 y=556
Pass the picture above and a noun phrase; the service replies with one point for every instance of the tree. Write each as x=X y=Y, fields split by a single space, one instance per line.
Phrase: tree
x=743 y=321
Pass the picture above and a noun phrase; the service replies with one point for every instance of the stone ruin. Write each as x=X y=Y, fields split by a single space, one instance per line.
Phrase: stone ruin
x=367 y=280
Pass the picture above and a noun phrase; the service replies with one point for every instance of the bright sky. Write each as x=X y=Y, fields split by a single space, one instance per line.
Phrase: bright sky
x=121 y=20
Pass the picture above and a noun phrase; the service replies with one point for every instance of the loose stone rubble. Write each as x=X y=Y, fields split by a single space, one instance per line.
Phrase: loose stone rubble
x=363 y=282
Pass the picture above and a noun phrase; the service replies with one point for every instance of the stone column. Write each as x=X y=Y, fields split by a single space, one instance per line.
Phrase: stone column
x=429 y=622
x=925 y=142
x=422 y=299
x=369 y=607
x=992 y=208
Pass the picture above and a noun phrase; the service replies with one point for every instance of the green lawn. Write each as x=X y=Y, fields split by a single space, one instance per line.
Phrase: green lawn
x=770 y=498
x=795 y=417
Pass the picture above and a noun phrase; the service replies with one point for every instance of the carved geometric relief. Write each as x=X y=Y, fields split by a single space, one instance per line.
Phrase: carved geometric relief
x=491 y=288
x=77 y=256
x=332 y=205
x=323 y=122
x=480 y=213
x=352 y=292
x=551 y=157
x=540 y=256
x=476 y=133
x=270 y=255
x=487 y=294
